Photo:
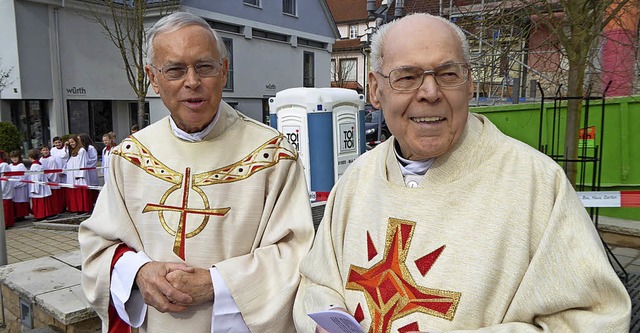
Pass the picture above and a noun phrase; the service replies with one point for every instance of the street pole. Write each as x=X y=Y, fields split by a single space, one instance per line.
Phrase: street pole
x=3 y=238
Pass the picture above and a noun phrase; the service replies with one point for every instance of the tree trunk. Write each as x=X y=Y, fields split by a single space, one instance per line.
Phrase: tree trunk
x=574 y=110
x=141 y=112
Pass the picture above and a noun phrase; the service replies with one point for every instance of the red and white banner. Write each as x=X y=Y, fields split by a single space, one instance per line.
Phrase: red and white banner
x=5 y=177
x=52 y=183
x=22 y=173
x=588 y=198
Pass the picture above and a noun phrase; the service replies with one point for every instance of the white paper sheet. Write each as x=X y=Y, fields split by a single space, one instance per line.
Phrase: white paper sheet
x=335 y=321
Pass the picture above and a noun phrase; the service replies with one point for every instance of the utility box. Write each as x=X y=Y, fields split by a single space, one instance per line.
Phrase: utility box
x=326 y=125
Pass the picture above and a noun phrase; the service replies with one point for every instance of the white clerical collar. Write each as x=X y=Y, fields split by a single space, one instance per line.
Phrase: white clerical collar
x=409 y=167
x=194 y=137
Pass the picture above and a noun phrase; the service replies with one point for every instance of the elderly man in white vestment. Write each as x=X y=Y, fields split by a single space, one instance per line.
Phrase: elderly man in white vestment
x=450 y=225
x=205 y=216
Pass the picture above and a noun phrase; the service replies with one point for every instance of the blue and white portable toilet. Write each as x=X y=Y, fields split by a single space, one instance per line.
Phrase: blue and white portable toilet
x=326 y=125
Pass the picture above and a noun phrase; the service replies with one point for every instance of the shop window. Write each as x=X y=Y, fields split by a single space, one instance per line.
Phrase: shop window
x=31 y=117
x=91 y=117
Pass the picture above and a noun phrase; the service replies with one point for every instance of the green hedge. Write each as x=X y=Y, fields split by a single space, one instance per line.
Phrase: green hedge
x=9 y=137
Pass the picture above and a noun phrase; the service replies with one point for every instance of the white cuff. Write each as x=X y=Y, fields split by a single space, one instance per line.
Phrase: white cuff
x=226 y=314
x=128 y=303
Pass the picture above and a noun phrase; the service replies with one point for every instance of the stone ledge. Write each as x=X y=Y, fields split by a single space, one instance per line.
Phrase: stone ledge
x=52 y=284
x=619 y=226
x=620 y=230
x=56 y=226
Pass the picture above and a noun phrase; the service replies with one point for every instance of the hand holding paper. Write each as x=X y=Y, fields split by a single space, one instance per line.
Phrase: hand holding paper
x=336 y=321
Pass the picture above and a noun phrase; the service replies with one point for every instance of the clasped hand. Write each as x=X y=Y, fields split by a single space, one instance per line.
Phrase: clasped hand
x=173 y=287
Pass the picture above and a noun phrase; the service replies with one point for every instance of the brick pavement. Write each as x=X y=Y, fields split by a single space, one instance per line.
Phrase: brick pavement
x=24 y=242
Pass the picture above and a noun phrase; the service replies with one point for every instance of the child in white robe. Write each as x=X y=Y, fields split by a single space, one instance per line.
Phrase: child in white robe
x=40 y=193
x=92 y=162
x=50 y=162
x=60 y=151
x=109 y=140
x=21 y=207
x=7 y=191
x=80 y=198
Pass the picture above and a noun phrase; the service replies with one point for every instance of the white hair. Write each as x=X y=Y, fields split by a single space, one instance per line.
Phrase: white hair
x=175 y=22
x=377 y=41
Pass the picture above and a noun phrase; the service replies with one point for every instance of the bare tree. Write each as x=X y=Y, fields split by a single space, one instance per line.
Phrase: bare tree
x=123 y=24
x=344 y=71
x=5 y=77
x=560 y=39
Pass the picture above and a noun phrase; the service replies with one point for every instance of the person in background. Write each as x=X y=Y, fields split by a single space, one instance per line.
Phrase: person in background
x=109 y=140
x=50 y=162
x=39 y=192
x=134 y=128
x=60 y=152
x=7 y=191
x=80 y=199
x=59 y=149
x=206 y=213
x=21 y=206
x=92 y=163
x=450 y=225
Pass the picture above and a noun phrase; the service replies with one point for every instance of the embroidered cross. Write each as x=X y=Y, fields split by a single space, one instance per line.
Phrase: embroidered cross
x=180 y=232
x=262 y=158
x=389 y=289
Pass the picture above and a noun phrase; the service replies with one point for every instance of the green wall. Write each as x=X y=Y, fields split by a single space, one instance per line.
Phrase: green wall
x=621 y=129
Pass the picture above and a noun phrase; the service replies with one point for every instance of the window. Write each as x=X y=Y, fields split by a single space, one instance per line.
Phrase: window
x=311 y=43
x=92 y=117
x=270 y=35
x=221 y=26
x=228 y=42
x=348 y=69
x=31 y=119
x=308 y=70
x=252 y=2
x=289 y=7
x=353 y=31
x=133 y=115
x=334 y=73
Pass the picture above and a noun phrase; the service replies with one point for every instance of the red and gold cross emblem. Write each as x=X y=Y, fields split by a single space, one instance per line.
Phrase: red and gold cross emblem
x=390 y=291
x=263 y=157
x=181 y=234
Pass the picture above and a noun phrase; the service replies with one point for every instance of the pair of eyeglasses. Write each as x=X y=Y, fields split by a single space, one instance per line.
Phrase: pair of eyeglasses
x=409 y=78
x=177 y=72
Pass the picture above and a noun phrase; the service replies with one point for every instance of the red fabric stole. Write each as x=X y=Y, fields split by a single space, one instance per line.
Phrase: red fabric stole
x=117 y=325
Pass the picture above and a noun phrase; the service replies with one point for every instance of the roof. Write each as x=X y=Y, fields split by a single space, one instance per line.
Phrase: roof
x=350 y=10
x=347 y=44
x=418 y=6
x=329 y=15
x=353 y=85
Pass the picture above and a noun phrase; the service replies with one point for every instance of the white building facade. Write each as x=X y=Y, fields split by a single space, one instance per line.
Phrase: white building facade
x=65 y=76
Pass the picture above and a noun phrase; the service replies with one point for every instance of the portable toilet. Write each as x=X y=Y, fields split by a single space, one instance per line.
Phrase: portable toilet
x=326 y=125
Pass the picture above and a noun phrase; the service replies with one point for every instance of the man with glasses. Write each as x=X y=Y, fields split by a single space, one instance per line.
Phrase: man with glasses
x=205 y=215
x=451 y=225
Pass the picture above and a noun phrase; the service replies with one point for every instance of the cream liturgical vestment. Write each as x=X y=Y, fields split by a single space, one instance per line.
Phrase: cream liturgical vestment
x=492 y=239
x=236 y=200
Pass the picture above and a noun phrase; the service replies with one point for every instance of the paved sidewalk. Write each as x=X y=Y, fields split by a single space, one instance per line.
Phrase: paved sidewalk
x=25 y=242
